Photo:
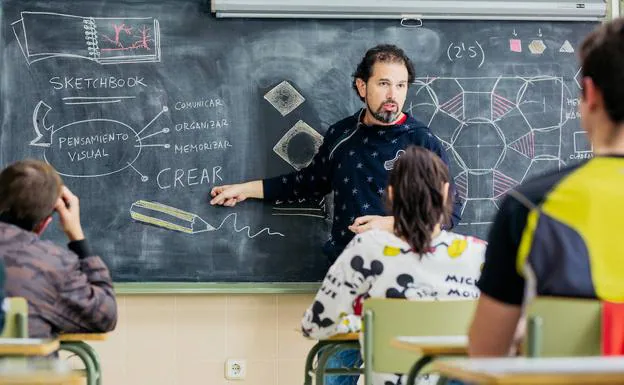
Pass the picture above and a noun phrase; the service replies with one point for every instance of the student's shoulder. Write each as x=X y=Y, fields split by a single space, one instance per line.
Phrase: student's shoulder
x=27 y=243
x=535 y=189
x=517 y=203
x=463 y=245
x=41 y=255
x=56 y=253
x=379 y=243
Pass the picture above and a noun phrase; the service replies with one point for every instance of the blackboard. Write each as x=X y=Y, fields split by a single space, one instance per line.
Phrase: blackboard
x=144 y=106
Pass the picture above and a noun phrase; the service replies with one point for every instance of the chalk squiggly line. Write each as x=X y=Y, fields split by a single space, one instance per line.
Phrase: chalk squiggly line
x=248 y=228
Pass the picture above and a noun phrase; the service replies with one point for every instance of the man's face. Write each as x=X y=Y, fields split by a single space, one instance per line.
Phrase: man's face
x=385 y=91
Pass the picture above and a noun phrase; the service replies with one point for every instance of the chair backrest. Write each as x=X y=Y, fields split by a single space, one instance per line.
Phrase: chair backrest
x=386 y=319
x=563 y=327
x=15 y=318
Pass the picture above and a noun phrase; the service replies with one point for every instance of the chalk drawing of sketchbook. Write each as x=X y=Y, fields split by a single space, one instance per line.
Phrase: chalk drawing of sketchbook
x=105 y=40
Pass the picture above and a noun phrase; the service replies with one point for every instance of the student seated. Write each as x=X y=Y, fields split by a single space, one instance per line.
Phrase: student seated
x=413 y=262
x=559 y=234
x=68 y=290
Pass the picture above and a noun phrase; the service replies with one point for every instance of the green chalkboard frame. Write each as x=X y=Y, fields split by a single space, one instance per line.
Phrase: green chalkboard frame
x=217 y=288
x=178 y=288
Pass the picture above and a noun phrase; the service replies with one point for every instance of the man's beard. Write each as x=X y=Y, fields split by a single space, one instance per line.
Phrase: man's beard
x=385 y=116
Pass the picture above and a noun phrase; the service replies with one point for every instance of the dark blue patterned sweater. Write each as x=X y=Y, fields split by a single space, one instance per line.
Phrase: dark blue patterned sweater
x=353 y=162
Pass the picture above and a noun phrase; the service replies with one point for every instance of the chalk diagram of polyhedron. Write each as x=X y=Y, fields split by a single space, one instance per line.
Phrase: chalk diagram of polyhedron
x=497 y=131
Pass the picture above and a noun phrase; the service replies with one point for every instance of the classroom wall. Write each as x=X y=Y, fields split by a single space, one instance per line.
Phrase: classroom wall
x=186 y=339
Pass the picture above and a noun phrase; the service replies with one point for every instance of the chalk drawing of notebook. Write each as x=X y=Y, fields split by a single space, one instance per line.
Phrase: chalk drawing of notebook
x=105 y=40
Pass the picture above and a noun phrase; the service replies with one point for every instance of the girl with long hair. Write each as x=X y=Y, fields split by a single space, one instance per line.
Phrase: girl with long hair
x=416 y=261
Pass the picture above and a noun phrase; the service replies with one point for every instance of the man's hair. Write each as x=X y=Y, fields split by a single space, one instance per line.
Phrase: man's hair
x=418 y=204
x=384 y=53
x=602 y=60
x=29 y=190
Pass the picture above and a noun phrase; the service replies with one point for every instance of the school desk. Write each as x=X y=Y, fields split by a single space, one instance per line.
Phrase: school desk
x=429 y=347
x=76 y=344
x=28 y=346
x=593 y=370
x=36 y=372
x=330 y=347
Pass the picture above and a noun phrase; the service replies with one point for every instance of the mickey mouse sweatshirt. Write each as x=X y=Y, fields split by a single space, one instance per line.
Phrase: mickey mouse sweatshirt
x=353 y=162
x=378 y=264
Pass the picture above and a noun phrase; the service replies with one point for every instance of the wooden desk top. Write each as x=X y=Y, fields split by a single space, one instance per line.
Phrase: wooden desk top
x=337 y=337
x=83 y=337
x=27 y=346
x=433 y=345
x=535 y=371
x=37 y=372
x=344 y=337
x=41 y=378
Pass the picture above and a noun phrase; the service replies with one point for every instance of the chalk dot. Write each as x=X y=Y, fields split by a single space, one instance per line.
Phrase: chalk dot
x=301 y=148
x=165 y=109
x=166 y=130
x=144 y=178
x=167 y=145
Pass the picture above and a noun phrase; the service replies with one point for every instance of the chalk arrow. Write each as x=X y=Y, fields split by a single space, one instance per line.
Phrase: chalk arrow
x=44 y=137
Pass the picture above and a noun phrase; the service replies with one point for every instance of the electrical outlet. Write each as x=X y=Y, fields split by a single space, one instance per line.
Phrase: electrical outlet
x=235 y=369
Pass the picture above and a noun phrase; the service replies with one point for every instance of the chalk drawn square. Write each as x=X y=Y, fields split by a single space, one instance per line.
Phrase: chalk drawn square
x=581 y=143
x=299 y=145
x=284 y=97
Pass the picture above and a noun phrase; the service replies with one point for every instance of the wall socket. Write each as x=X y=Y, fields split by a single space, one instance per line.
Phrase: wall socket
x=235 y=369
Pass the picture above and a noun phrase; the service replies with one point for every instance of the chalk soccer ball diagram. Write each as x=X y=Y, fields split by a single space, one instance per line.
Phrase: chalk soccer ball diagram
x=497 y=132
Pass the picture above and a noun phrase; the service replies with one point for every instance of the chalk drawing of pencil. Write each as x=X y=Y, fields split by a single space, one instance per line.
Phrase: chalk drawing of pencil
x=168 y=217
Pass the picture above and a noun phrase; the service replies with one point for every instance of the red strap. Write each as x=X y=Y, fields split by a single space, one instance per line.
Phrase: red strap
x=612 y=329
x=401 y=120
x=357 y=305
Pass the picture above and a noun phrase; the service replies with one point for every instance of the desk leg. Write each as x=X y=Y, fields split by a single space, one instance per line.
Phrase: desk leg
x=310 y=362
x=417 y=367
x=96 y=360
x=85 y=356
x=332 y=349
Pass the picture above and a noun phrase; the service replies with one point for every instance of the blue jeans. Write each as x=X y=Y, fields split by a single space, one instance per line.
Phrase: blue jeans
x=345 y=359
x=352 y=359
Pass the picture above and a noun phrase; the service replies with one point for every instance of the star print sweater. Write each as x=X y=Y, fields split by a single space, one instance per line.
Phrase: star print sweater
x=353 y=162
x=378 y=264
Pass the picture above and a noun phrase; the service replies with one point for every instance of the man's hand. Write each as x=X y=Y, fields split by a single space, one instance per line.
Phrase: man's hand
x=231 y=194
x=367 y=222
x=68 y=208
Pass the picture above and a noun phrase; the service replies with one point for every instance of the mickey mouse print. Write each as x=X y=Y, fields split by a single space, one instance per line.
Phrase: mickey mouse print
x=379 y=264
